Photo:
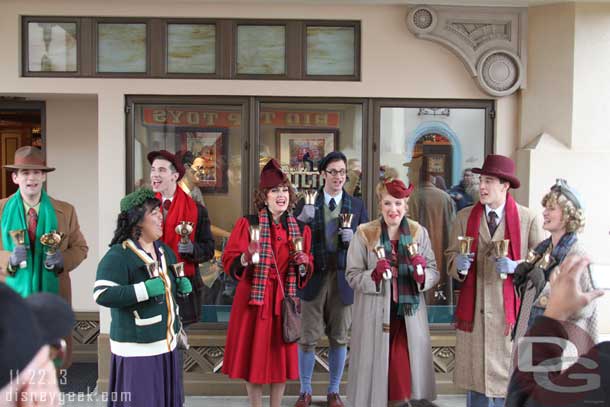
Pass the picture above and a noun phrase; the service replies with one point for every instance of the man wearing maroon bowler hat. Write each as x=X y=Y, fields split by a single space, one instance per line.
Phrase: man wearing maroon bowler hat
x=487 y=307
x=165 y=172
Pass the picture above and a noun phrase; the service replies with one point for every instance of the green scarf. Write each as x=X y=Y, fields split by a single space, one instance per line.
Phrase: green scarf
x=34 y=278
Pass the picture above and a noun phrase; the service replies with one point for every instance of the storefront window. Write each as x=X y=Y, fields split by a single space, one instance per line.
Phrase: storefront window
x=431 y=148
x=298 y=135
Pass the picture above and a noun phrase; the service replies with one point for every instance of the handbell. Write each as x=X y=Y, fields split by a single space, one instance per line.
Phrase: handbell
x=298 y=247
x=501 y=250
x=465 y=243
x=255 y=236
x=52 y=241
x=547 y=260
x=346 y=220
x=413 y=249
x=380 y=252
x=310 y=196
x=19 y=239
x=153 y=269
x=178 y=269
x=184 y=229
x=532 y=257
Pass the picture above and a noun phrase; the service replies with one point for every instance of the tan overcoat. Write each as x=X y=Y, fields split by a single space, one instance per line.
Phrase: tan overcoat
x=369 y=346
x=482 y=357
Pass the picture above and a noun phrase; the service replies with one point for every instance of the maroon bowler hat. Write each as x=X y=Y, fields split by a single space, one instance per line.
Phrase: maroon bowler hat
x=166 y=155
x=29 y=158
x=271 y=175
x=398 y=189
x=500 y=166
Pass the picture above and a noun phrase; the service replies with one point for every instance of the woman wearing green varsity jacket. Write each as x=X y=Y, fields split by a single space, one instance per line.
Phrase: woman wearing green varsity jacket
x=137 y=280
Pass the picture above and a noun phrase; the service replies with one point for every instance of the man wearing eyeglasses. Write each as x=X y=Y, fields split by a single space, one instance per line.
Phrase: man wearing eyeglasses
x=327 y=298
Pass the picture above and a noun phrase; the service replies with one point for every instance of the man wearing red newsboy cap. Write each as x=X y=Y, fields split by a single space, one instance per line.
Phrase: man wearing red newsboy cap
x=166 y=169
x=32 y=267
x=487 y=308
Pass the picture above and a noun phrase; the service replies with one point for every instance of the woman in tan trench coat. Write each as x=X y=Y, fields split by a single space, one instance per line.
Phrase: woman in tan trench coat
x=390 y=352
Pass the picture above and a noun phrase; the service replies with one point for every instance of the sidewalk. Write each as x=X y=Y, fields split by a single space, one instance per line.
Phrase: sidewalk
x=442 y=401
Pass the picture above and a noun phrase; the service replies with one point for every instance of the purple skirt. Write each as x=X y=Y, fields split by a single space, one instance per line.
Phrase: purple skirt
x=151 y=381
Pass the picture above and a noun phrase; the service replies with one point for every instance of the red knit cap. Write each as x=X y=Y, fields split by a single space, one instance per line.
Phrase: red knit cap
x=397 y=188
x=271 y=175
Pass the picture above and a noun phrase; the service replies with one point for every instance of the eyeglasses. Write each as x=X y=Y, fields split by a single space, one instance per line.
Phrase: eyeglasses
x=334 y=173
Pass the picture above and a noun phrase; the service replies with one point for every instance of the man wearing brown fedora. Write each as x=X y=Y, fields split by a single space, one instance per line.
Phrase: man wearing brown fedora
x=32 y=267
x=487 y=307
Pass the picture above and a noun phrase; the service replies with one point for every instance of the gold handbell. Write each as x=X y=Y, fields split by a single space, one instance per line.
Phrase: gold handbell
x=413 y=249
x=380 y=252
x=346 y=220
x=153 y=269
x=184 y=229
x=298 y=244
x=501 y=250
x=532 y=257
x=255 y=236
x=178 y=269
x=18 y=237
x=501 y=247
x=546 y=261
x=310 y=196
x=52 y=241
x=465 y=243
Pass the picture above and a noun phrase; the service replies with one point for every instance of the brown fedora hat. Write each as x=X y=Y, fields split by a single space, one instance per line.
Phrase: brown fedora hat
x=29 y=158
x=500 y=166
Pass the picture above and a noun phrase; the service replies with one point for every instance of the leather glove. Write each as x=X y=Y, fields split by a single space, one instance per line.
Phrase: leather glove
x=346 y=235
x=505 y=265
x=19 y=254
x=184 y=285
x=380 y=268
x=307 y=213
x=185 y=248
x=154 y=287
x=253 y=247
x=54 y=261
x=521 y=273
x=299 y=258
x=415 y=261
x=463 y=262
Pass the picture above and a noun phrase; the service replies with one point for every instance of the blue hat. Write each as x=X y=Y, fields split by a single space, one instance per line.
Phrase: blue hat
x=561 y=187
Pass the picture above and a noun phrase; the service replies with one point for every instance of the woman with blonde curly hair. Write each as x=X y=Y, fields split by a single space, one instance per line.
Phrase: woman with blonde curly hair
x=563 y=218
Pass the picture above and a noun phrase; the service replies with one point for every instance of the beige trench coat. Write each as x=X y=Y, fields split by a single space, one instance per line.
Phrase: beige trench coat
x=369 y=346
x=482 y=357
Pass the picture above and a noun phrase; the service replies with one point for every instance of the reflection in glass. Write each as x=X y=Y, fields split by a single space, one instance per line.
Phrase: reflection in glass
x=431 y=149
x=261 y=49
x=121 y=47
x=52 y=47
x=330 y=50
x=191 y=48
x=298 y=135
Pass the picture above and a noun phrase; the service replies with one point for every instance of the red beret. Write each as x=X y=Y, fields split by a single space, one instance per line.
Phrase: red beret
x=271 y=175
x=398 y=189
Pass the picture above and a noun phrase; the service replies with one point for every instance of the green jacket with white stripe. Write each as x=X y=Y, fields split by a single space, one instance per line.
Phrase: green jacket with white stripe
x=140 y=326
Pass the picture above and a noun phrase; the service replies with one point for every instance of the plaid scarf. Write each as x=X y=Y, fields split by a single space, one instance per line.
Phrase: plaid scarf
x=408 y=295
x=318 y=244
x=267 y=259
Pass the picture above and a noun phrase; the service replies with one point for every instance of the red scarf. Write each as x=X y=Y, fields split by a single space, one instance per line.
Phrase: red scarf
x=464 y=314
x=183 y=208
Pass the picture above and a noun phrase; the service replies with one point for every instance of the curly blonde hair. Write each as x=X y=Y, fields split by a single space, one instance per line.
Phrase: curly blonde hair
x=260 y=195
x=574 y=218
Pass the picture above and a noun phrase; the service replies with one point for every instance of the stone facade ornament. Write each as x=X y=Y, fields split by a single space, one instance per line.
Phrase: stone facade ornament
x=490 y=41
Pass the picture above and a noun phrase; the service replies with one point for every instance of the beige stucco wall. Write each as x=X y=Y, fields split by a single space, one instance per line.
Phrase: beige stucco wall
x=568 y=98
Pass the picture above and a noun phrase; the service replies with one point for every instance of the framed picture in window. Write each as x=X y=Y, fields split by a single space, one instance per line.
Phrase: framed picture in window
x=206 y=151
x=300 y=148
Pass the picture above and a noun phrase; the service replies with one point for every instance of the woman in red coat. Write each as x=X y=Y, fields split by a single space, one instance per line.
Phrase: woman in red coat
x=255 y=350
